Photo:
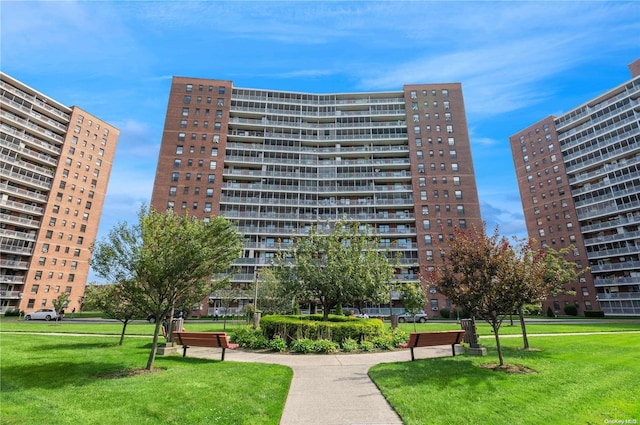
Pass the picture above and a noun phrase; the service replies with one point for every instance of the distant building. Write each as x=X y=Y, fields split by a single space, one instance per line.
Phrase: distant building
x=55 y=163
x=278 y=162
x=579 y=179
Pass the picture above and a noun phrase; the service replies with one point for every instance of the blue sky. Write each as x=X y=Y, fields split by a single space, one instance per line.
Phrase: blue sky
x=518 y=62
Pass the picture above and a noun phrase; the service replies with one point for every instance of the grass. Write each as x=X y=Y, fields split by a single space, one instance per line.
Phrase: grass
x=578 y=380
x=76 y=380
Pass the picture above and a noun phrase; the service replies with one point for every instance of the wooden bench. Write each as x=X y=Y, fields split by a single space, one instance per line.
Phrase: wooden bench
x=430 y=339
x=203 y=339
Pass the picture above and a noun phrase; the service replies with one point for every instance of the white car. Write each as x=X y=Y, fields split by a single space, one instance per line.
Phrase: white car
x=406 y=317
x=42 y=314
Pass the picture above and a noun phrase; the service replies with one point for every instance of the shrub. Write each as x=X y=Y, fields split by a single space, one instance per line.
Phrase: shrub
x=337 y=329
x=349 y=345
x=248 y=337
x=570 y=310
x=303 y=346
x=278 y=344
x=325 y=346
x=593 y=313
x=366 y=345
x=15 y=312
x=445 y=313
x=398 y=336
x=550 y=312
x=383 y=342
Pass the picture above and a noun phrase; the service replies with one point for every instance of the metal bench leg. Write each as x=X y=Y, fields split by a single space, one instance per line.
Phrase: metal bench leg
x=222 y=355
x=184 y=350
x=412 y=357
x=453 y=349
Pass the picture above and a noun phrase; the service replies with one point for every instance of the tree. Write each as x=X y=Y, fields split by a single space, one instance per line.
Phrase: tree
x=269 y=299
x=113 y=301
x=166 y=260
x=475 y=278
x=340 y=266
x=413 y=298
x=60 y=303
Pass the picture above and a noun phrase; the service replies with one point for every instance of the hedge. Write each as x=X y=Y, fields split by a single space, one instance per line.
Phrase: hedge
x=336 y=329
x=593 y=313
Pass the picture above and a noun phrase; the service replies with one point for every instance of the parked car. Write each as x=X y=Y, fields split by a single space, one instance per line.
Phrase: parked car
x=42 y=314
x=420 y=316
x=177 y=314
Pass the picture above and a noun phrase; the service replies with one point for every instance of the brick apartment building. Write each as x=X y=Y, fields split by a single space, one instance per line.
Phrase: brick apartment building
x=579 y=179
x=55 y=163
x=277 y=162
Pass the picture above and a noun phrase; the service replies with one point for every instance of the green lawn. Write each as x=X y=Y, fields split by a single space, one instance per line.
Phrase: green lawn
x=579 y=380
x=48 y=379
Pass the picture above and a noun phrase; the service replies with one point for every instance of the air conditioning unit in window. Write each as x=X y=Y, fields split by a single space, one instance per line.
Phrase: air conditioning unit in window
x=434 y=308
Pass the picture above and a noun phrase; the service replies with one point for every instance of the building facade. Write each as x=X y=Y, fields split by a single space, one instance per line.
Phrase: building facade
x=277 y=162
x=579 y=179
x=55 y=163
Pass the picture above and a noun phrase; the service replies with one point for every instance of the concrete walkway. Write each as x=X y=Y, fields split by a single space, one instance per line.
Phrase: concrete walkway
x=330 y=389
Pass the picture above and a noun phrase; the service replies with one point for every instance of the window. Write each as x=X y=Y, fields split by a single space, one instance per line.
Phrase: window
x=174 y=177
x=185 y=112
x=426 y=225
x=458 y=194
x=425 y=210
x=428 y=240
x=214 y=151
x=416 y=129
x=414 y=94
x=449 y=129
x=187 y=100
x=213 y=165
x=177 y=163
x=209 y=192
x=460 y=209
x=423 y=195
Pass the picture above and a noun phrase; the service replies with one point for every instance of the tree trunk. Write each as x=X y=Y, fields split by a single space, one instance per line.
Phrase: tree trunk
x=495 y=332
x=124 y=329
x=525 y=339
x=154 y=346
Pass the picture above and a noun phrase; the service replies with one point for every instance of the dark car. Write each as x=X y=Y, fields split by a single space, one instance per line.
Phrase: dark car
x=177 y=314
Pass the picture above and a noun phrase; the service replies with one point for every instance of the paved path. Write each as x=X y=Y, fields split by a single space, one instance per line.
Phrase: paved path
x=330 y=389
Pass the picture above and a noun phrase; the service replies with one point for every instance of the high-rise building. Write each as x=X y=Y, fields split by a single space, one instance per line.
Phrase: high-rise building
x=579 y=179
x=55 y=163
x=278 y=162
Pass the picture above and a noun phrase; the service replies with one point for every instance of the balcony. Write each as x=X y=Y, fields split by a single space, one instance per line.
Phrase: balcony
x=5 y=278
x=37 y=102
x=612 y=267
x=14 y=264
x=37 y=182
x=619 y=296
x=12 y=234
x=22 y=207
x=19 y=221
x=30 y=140
x=14 y=249
x=10 y=295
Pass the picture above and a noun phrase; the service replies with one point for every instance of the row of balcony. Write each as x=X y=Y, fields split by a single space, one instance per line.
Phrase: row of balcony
x=393 y=246
x=33 y=114
x=288 y=231
x=613 y=194
x=28 y=124
x=250 y=277
x=316 y=137
x=14 y=264
x=38 y=181
x=398 y=202
x=369 y=188
x=607 y=168
x=603 y=143
x=30 y=140
x=606 y=208
x=21 y=207
x=621 y=220
x=615 y=252
x=10 y=295
x=612 y=267
x=5 y=278
x=23 y=150
x=595 y=120
x=619 y=296
x=15 y=249
x=602 y=282
x=13 y=234
x=626 y=235
x=321 y=174
x=314 y=162
x=587 y=110
x=19 y=221
x=264 y=122
x=36 y=169
x=396 y=112
x=264 y=147
x=302 y=99
x=266 y=261
x=35 y=101
x=623 y=150
x=322 y=217
x=606 y=183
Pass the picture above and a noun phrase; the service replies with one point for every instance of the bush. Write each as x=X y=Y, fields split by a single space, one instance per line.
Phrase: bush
x=349 y=345
x=337 y=329
x=383 y=342
x=445 y=313
x=278 y=344
x=15 y=312
x=570 y=310
x=366 y=345
x=550 y=312
x=593 y=313
x=302 y=346
x=248 y=337
x=325 y=346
